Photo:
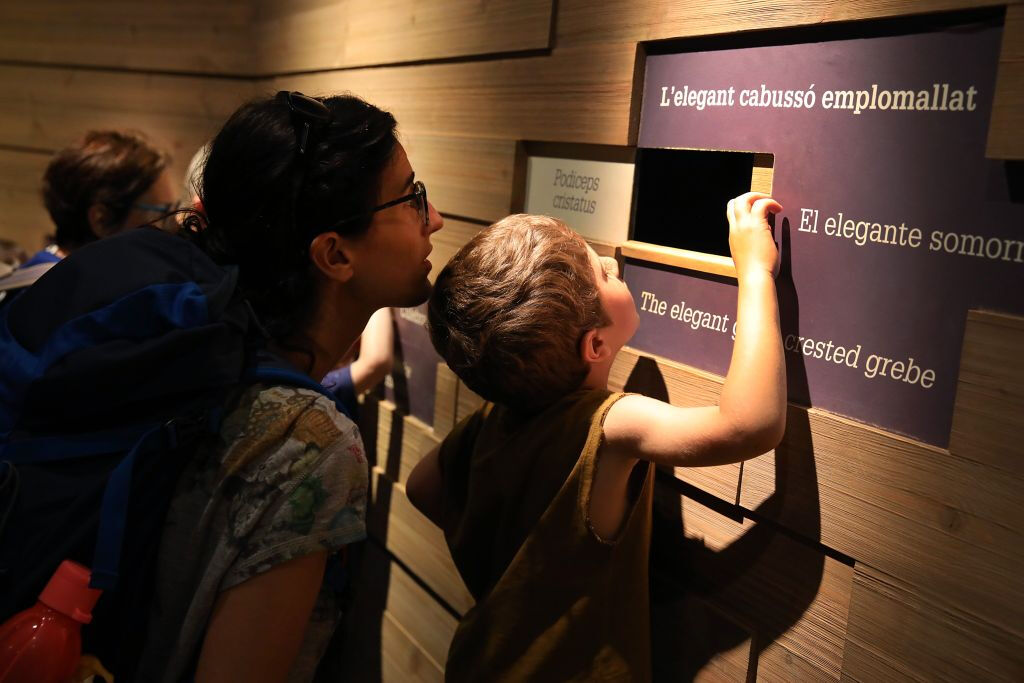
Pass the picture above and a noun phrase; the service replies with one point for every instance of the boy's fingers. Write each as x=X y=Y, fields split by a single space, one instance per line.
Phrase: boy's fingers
x=747 y=200
x=730 y=211
x=764 y=205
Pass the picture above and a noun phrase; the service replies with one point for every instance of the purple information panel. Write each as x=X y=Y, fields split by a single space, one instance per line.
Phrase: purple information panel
x=895 y=223
x=412 y=383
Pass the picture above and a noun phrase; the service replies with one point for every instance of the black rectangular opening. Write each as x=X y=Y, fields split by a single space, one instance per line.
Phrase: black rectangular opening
x=681 y=195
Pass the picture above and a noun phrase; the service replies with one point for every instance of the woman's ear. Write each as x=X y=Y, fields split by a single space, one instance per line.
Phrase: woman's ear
x=332 y=255
x=593 y=348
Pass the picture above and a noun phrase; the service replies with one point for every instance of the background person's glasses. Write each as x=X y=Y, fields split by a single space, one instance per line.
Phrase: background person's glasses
x=169 y=207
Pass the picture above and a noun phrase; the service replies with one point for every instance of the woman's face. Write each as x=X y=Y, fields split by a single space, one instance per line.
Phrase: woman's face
x=391 y=257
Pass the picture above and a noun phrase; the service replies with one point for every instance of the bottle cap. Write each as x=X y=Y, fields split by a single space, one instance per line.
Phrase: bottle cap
x=68 y=592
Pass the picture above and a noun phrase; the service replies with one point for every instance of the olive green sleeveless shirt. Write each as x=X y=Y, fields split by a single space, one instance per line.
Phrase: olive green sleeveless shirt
x=554 y=602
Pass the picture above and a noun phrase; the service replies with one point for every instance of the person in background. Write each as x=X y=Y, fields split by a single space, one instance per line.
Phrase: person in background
x=104 y=183
x=544 y=494
x=193 y=184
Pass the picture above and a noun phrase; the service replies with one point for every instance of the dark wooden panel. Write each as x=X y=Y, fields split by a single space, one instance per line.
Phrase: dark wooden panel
x=156 y=35
x=897 y=631
x=47 y=108
x=23 y=220
x=1005 y=140
x=314 y=35
x=785 y=599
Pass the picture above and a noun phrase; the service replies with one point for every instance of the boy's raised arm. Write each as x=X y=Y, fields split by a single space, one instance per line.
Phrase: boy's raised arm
x=751 y=415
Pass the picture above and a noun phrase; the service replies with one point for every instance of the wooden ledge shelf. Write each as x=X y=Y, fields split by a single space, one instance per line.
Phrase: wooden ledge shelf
x=680 y=258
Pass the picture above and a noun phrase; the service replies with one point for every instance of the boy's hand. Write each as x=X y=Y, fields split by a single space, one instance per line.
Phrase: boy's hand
x=750 y=236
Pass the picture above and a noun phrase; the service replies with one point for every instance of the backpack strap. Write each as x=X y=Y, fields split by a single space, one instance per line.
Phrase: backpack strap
x=271 y=369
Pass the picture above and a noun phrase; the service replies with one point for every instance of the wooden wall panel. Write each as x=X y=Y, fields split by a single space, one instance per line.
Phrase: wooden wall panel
x=573 y=95
x=580 y=21
x=1005 y=140
x=682 y=386
x=940 y=521
x=469 y=177
x=898 y=631
x=402 y=658
x=411 y=537
x=448 y=240
x=988 y=420
x=313 y=35
x=402 y=440
x=395 y=631
x=446 y=388
x=790 y=597
x=156 y=35
x=24 y=220
x=47 y=108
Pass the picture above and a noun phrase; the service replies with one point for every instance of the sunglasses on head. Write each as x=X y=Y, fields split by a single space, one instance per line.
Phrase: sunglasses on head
x=307 y=112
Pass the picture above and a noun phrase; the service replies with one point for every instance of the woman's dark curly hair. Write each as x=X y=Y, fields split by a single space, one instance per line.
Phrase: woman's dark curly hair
x=264 y=201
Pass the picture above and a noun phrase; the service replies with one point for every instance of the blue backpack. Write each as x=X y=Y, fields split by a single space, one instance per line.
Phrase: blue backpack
x=114 y=366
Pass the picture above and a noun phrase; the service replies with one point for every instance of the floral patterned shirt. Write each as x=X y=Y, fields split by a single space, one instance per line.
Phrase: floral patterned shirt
x=287 y=477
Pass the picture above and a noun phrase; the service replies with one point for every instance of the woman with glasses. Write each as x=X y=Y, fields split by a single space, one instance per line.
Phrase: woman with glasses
x=316 y=204
x=105 y=183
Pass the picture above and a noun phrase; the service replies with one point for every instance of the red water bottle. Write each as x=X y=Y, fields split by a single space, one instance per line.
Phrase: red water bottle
x=43 y=644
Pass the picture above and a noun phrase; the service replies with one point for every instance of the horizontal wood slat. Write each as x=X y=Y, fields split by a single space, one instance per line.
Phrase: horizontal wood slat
x=24 y=219
x=581 y=21
x=157 y=35
x=897 y=631
x=411 y=537
x=906 y=508
x=1005 y=140
x=468 y=177
x=402 y=441
x=48 y=108
x=790 y=596
x=988 y=420
x=573 y=95
x=447 y=241
x=308 y=36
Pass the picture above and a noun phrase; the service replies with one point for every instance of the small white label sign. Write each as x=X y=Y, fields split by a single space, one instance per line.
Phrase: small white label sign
x=592 y=197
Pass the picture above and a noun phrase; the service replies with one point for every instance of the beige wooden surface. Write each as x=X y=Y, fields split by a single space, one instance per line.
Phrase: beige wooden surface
x=1005 y=136
x=447 y=384
x=790 y=597
x=396 y=632
x=901 y=632
x=410 y=536
x=23 y=219
x=48 y=108
x=464 y=176
x=155 y=35
x=401 y=441
x=314 y=35
x=449 y=240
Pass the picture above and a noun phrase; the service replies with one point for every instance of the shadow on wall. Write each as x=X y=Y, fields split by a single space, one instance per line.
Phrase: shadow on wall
x=719 y=609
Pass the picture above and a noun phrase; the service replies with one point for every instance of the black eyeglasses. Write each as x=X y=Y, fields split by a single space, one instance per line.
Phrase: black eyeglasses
x=307 y=112
x=419 y=193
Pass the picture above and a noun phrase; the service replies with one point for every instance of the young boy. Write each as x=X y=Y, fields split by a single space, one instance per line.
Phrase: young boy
x=544 y=494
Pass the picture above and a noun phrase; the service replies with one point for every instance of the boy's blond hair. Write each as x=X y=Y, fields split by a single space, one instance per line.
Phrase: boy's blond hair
x=510 y=309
